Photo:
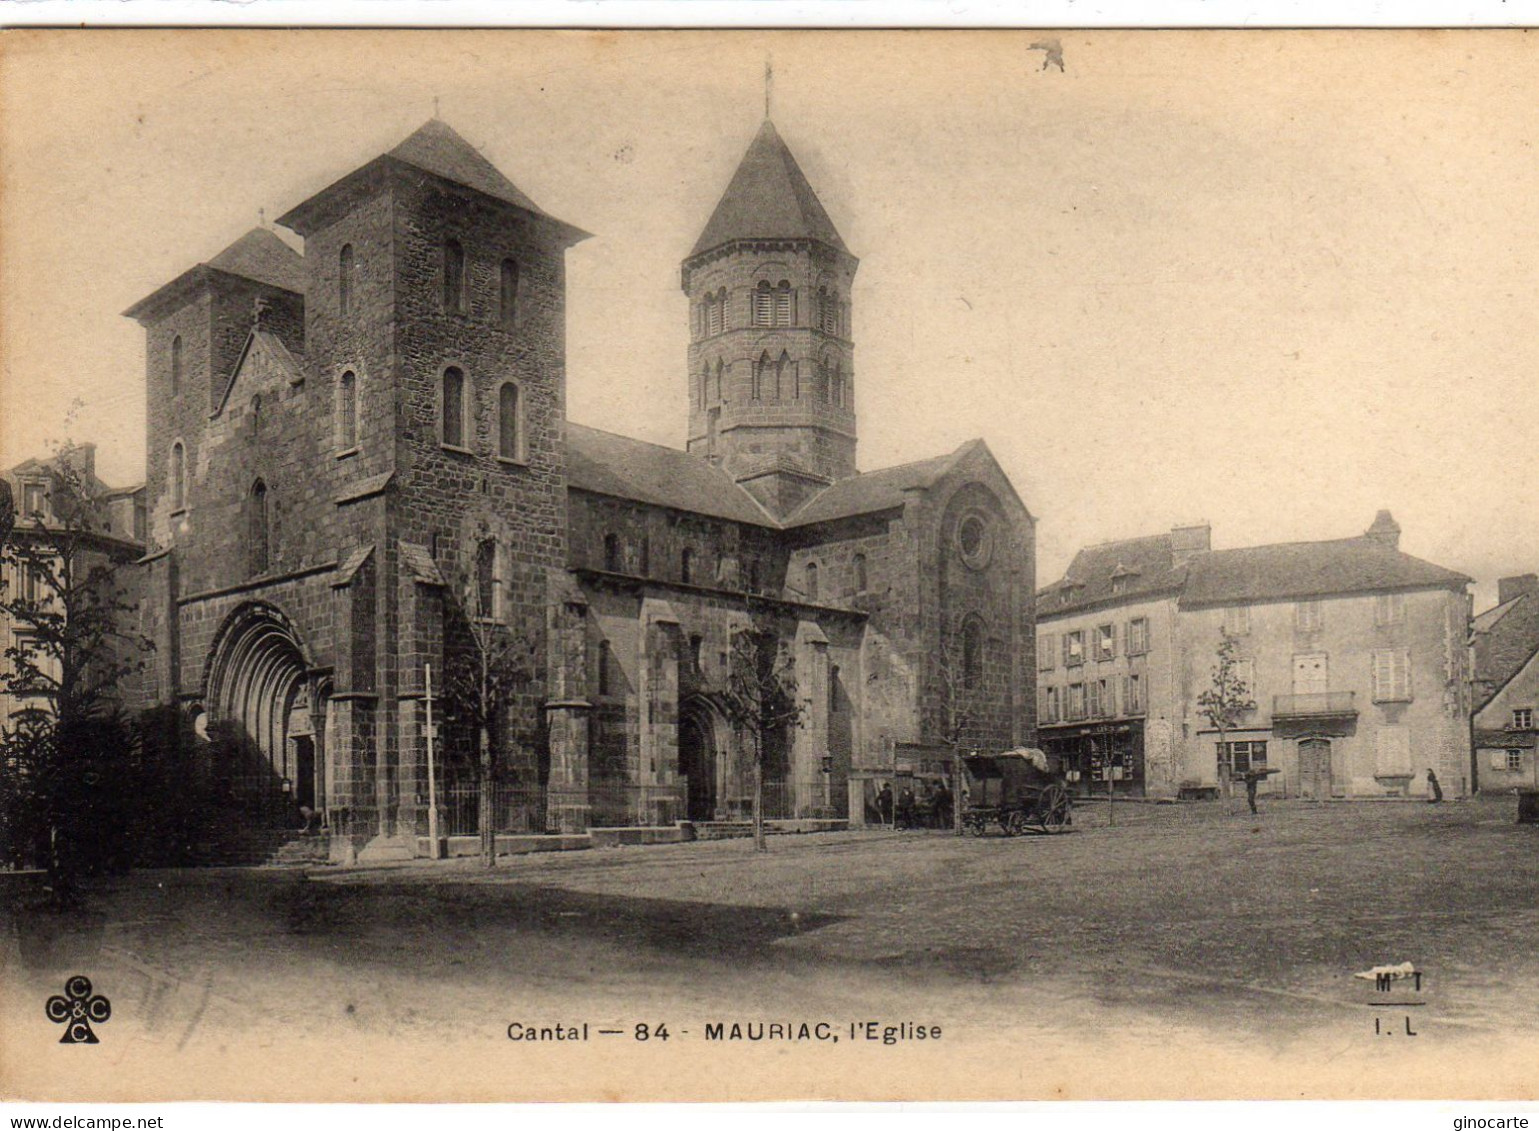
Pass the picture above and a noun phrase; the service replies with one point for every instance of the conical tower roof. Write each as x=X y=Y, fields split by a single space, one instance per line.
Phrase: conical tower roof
x=769 y=198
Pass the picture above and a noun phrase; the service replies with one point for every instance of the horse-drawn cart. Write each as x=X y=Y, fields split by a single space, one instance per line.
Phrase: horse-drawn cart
x=1015 y=791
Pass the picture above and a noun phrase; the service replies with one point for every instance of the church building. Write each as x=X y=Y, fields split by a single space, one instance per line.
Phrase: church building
x=360 y=470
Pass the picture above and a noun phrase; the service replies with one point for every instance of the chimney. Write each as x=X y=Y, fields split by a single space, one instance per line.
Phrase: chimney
x=1385 y=530
x=1186 y=542
x=82 y=459
x=1510 y=587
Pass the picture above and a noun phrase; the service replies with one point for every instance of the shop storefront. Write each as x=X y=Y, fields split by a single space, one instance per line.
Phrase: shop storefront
x=1095 y=757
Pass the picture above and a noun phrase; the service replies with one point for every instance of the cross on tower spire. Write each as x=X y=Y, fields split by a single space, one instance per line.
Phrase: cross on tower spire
x=769 y=83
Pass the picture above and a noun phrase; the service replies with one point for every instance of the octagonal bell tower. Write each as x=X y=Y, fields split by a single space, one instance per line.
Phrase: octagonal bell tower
x=771 y=363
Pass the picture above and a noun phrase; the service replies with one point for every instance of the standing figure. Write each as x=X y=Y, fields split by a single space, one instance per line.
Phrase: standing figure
x=1432 y=784
x=884 y=803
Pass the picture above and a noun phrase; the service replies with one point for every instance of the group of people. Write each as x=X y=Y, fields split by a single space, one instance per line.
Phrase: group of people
x=931 y=808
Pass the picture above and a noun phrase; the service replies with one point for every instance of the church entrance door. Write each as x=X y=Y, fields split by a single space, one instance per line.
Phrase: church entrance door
x=697 y=762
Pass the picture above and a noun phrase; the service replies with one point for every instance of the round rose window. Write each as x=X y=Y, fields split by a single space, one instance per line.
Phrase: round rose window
x=974 y=539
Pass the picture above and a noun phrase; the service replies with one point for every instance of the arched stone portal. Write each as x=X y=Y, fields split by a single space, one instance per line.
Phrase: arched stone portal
x=701 y=758
x=259 y=679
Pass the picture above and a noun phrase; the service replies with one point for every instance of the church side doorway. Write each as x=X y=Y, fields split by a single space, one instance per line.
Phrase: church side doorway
x=697 y=762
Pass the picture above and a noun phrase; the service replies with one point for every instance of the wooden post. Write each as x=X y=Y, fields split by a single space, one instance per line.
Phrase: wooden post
x=432 y=778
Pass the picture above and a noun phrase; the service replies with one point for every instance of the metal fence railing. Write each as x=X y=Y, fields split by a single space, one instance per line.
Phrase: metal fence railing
x=515 y=809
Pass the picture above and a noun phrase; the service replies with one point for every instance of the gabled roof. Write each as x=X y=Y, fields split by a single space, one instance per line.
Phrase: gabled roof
x=1308 y=569
x=434 y=148
x=1506 y=639
x=271 y=346
x=605 y=463
x=873 y=491
x=768 y=198
x=259 y=255
x=1145 y=567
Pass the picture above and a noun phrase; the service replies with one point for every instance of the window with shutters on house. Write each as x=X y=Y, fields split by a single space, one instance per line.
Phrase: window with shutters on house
x=1307 y=616
x=1074 y=648
x=1391 y=675
x=1237 y=620
x=1138 y=636
x=1047 y=652
x=1389 y=608
x=1105 y=642
x=1133 y=693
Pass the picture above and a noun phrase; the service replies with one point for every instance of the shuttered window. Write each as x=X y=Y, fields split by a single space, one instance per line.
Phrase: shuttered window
x=763 y=305
x=785 y=304
x=1391 y=675
x=1047 y=652
x=1392 y=750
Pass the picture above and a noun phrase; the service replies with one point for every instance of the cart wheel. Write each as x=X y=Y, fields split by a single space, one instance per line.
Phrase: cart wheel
x=1054 y=808
x=975 y=824
x=1015 y=823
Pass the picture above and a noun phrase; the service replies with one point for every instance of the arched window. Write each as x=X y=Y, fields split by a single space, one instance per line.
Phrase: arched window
x=345 y=279
x=720 y=399
x=716 y=312
x=763 y=304
x=783 y=368
x=812 y=581
x=507 y=307
x=705 y=381
x=821 y=381
x=837 y=391
x=178 y=477
x=604 y=660
x=860 y=573
x=486 y=579
x=756 y=392
x=257 y=528
x=686 y=565
x=612 y=553
x=176 y=365
x=785 y=304
x=645 y=566
x=510 y=424
x=972 y=653
x=453 y=408
x=454 y=277
x=347 y=411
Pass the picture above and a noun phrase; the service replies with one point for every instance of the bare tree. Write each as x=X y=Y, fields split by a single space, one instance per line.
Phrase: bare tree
x=958 y=705
x=760 y=700
x=1227 y=699
x=486 y=666
x=73 y=649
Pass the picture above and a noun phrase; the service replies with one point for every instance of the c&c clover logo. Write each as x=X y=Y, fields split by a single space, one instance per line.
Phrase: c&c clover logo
x=76 y=1010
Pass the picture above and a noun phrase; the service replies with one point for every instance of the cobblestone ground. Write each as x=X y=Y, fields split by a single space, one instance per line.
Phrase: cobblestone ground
x=1118 y=959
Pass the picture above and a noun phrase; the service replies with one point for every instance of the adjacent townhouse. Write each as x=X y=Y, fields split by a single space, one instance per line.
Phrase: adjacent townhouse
x=1505 y=659
x=1352 y=651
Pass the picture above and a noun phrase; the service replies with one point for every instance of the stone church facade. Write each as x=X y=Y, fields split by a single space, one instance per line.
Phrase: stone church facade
x=359 y=465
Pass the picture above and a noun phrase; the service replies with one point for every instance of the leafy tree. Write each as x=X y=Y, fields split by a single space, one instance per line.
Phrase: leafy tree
x=73 y=649
x=486 y=666
x=1227 y=699
x=760 y=699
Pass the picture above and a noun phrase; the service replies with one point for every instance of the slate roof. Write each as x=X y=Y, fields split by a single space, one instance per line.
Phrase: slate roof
x=768 y=198
x=258 y=255
x=1505 y=639
x=609 y=464
x=874 y=491
x=435 y=148
x=606 y=463
x=1308 y=569
x=1145 y=565
x=261 y=255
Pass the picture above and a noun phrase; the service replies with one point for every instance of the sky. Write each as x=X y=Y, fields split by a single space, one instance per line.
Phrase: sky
x=1275 y=281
